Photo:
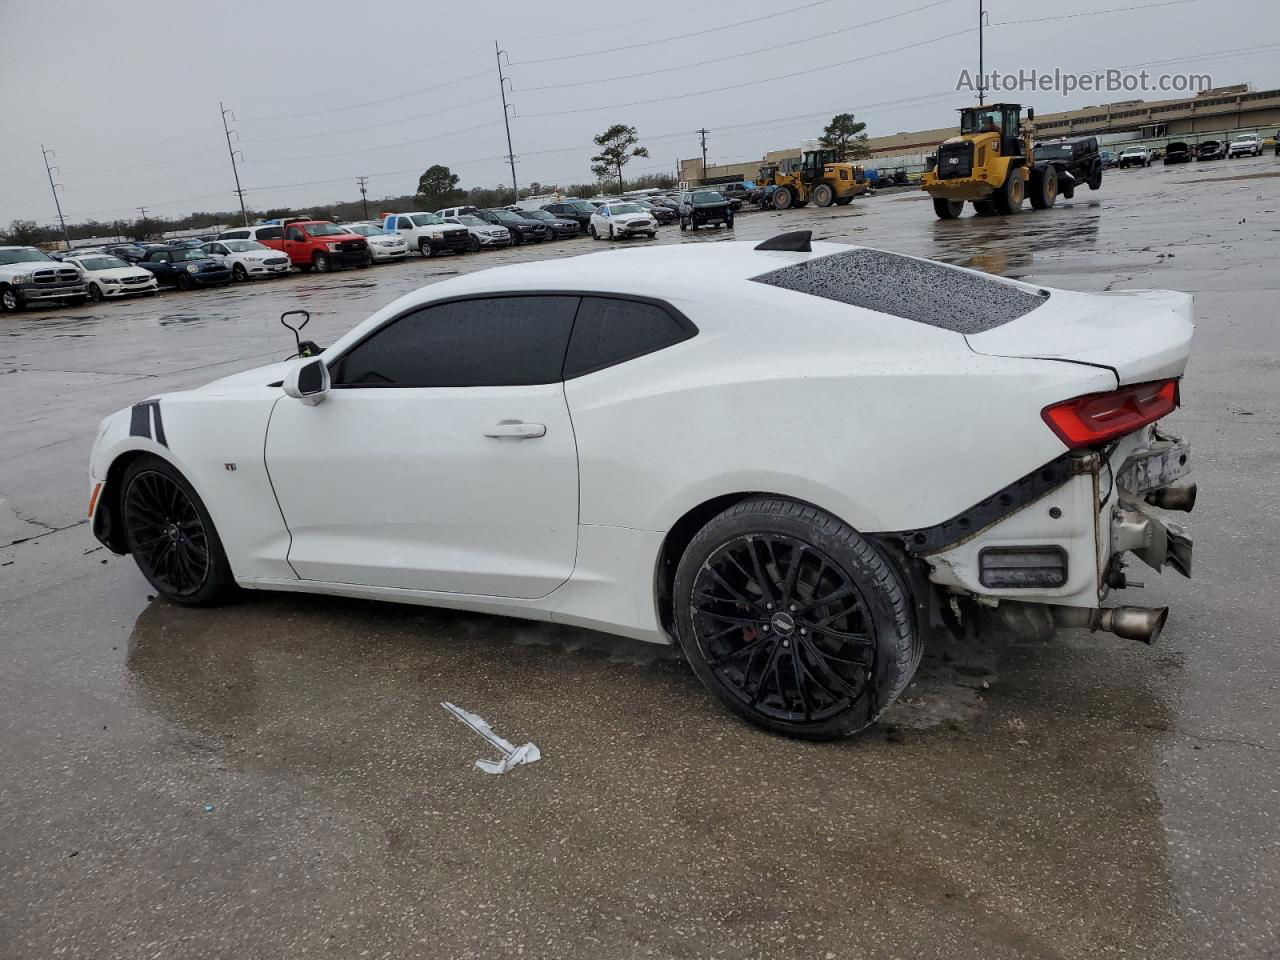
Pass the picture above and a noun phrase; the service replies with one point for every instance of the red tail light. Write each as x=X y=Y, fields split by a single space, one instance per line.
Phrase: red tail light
x=1098 y=417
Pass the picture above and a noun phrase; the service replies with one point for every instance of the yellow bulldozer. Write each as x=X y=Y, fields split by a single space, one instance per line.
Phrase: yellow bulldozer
x=821 y=177
x=990 y=164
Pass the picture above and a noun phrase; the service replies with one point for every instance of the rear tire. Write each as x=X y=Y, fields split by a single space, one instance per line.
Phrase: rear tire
x=784 y=198
x=795 y=621
x=171 y=535
x=823 y=195
x=947 y=209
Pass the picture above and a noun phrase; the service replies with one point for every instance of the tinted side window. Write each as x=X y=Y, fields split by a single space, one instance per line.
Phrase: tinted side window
x=271 y=233
x=607 y=332
x=493 y=342
x=296 y=235
x=236 y=235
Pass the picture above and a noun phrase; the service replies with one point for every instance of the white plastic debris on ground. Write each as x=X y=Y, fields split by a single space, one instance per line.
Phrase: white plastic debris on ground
x=512 y=756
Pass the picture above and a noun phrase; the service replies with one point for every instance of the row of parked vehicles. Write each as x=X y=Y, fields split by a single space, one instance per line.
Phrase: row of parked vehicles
x=28 y=275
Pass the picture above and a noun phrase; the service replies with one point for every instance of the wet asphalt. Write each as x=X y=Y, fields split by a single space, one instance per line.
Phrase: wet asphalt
x=276 y=778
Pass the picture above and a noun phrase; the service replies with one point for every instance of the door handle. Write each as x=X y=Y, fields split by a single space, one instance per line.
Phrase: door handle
x=516 y=430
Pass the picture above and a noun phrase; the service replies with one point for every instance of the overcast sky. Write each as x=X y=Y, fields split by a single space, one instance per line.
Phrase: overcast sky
x=127 y=93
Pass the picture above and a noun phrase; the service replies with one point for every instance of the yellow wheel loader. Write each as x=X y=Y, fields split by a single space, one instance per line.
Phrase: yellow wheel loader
x=990 y=164
x=821 y=177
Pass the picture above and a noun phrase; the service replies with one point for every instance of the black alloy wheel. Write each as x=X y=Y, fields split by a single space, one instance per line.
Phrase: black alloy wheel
x=171 y=535
x=239 y=273
x=95 y=293
x=794 y=620
x=166 y=534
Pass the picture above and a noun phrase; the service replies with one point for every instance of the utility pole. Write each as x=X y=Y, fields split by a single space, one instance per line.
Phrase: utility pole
x=143 y=211
x=704 y=131
x=506 y=119
x=54 y=187
x=364 y=197
x=981 y=82
x=244 y=216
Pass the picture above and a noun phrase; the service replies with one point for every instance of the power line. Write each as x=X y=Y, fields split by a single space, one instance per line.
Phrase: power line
x=735 y=56
x=754 y=83
x=367 y=103
x=152 y=163
x=777 y=16
x=372 y=126
x=143 y=146
x=385 y=146
x=1094 y=13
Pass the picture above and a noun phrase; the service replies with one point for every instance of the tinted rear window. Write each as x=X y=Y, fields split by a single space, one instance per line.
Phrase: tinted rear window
x=918 y=290
x=607 y=332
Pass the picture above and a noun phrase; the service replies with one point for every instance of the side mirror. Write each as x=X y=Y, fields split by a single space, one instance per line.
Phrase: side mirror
x=308 y=382
x=1031 y=114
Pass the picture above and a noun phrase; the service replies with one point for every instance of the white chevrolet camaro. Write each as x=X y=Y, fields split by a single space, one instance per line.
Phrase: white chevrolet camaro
x=797 y=460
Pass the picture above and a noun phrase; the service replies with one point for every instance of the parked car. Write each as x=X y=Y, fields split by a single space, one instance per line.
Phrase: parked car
x=1135 y=157
x=185 y=268
x=558 y=228
x=484 y=235
x=522 y=229
x=663 y=214
x=1108 y=158
x=573 y=209
x=1210 y=150
x=130 y=252
x=619 y=219
x=700 y=208
x=248 y=259
x=427 y=233
x=1176 y=152
x=1245 y=145
x=1076 y=162
x=448 y=212
x=108 y=277
x=28 y=275
x=598 y=457
x=735 y=193
x=383 y=247
x=262 y=232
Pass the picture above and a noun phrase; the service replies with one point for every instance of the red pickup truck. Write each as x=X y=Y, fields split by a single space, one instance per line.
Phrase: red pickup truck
x=317 y=244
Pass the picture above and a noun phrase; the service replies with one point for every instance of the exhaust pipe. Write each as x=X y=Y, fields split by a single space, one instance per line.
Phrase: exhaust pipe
x=1174 y=498
x=1143 y=624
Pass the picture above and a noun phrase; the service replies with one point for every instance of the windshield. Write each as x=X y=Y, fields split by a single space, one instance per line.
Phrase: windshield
x=1247 y=136
x=23 y=256
x=243 y=246
x=1054 y=151
x=426 y=220
x=1136 y=150
x=101 y=263
x=616 y=208
x=190 y=253
x=323 y=229
x=537 y=215
x=364 y=230
x=706 y=197
x=469 y=221
x=506 y=216
x=583 y=206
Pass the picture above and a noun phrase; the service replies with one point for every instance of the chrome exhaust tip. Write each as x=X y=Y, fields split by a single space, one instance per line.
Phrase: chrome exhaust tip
x=1174 y=498
x=1144 y=624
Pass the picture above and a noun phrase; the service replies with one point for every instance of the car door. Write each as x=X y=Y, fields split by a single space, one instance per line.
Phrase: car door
x=160 y=262
x=442 y=458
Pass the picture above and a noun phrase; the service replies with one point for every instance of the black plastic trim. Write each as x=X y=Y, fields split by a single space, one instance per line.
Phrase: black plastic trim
x=1002 y=503
x=141 y=418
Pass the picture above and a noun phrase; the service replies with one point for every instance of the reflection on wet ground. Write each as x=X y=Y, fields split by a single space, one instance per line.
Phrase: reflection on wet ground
x=276 y=778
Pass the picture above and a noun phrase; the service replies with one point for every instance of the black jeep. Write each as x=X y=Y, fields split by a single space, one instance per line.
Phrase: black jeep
x=1075 y=161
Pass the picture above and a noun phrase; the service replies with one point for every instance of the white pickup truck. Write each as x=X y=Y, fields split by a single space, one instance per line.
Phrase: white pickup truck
x=427 y=233
x=1245 y=145
x=27 y=275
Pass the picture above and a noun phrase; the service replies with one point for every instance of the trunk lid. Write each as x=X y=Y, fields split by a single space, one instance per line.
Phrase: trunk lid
x=1141 y=335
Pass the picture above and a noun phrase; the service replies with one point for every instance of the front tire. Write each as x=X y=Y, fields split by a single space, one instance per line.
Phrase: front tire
x=95 y=293
x=473 y=245
x=947 y=209
x=171 y=535
x=320 y=263
x=185 y=282
x=10 y=301
x=239 y=273
x=1010 y=196
x=795 y=621
x=424 y=248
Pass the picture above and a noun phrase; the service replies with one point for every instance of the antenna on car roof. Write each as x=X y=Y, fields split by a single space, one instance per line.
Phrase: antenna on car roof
x=796 y=242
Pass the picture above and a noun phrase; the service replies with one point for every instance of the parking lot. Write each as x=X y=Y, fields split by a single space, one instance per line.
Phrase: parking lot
x=277 y=778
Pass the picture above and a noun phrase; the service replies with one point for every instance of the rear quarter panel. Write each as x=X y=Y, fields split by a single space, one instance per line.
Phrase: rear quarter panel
x=886 y=423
